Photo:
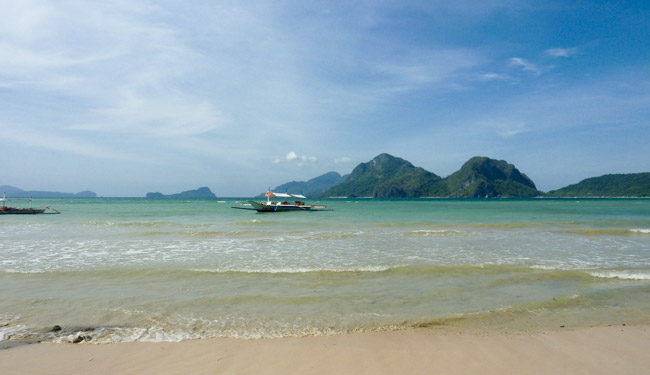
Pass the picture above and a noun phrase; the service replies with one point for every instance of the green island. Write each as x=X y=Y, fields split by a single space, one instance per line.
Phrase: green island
x=387 y=176
x=200 y=193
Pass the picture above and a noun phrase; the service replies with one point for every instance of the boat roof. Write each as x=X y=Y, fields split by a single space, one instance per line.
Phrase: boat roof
x=284 y=195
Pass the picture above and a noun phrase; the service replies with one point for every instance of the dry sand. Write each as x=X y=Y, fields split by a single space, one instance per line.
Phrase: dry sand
x=597 y=350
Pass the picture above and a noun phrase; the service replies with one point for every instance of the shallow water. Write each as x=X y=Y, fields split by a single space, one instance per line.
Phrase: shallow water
x=168 y=270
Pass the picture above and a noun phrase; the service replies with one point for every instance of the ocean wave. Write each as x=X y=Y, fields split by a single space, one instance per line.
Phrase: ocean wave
x=295 y=270
x=516 y=225
x=143 y=224
x=199 y=233
x=333 y=235
x=253 y=222
x=8 y=332
x=204 y=330
x=480 y=225
x=439 y=232
x=299 y=236
x=622 y=275
x=531 y=273
x=608 y=232
x=509 y=274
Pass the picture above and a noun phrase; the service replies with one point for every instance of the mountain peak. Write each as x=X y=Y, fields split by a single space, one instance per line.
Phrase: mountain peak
x=481 y=176
x=385 y=176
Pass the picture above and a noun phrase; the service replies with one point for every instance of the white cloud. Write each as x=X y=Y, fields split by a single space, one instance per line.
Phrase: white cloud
x=488 y=77
x=561 y=52
x=525 y=65
x=507 y=130
x=342 y=160
x=161 y=115
x=300 y=160
x=65 y=143
x=493 y=76
x=420 y=68
x=505 y=127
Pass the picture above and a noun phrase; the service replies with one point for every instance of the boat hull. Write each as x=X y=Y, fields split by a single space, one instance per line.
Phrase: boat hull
x=270 y=207
x=262 y=207
x=21 y=211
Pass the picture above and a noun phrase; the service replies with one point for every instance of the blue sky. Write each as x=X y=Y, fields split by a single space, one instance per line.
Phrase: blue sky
x=126 y=97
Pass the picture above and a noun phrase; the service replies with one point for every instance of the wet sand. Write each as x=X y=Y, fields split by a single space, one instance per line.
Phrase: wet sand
x=596 y=350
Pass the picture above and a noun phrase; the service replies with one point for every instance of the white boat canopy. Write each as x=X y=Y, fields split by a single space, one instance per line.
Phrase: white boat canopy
x=271 y=194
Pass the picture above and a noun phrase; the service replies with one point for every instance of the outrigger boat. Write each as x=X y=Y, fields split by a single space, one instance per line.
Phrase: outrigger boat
x=6 y=210
x=273 y=206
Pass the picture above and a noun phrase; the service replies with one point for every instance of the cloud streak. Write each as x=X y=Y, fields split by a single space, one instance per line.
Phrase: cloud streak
x=299 y=160
x=561 y=52
x=525 y=65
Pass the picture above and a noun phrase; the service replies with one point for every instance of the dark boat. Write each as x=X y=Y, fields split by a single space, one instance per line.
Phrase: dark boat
x=272 y=206
x=21 y=211
x=6 y=210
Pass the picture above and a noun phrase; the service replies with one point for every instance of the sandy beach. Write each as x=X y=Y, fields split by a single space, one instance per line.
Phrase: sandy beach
x=597 y=350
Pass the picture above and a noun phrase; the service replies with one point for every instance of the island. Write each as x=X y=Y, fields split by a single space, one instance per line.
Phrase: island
x=15 y=192
x=609 y=185
x=387 y=176
x=200 y=193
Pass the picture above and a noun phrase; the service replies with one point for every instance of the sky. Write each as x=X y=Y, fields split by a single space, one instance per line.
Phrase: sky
x=129 y=97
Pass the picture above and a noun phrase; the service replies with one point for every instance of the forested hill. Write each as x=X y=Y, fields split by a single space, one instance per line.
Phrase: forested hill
x=481 y=176
x=388 y=176
x=609 y=185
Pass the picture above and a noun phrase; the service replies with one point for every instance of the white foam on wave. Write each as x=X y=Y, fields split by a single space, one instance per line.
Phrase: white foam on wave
x=623 y=275
x=551 y=268
x=26 y=272
x=187 y=328
x=154 y=334
x=8 y=331
x=437 y=232
x=641 y=230
x=293 y=270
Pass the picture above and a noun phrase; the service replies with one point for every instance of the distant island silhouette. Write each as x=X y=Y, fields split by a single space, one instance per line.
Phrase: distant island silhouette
x=200 y=193
x=15 y=192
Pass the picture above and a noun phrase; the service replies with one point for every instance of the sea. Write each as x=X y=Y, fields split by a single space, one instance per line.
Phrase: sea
x=122 y=270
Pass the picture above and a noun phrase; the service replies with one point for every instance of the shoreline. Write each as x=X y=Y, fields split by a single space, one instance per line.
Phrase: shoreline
x=620 y=349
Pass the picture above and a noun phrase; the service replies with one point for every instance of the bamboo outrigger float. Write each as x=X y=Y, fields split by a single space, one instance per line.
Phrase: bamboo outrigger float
x=273 y=206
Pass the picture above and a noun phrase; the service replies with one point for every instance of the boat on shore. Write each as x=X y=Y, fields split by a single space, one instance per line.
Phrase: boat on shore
x=7 y=210
x=291 y=202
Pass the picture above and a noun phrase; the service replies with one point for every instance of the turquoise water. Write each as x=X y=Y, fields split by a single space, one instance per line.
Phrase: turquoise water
x=168 y=270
